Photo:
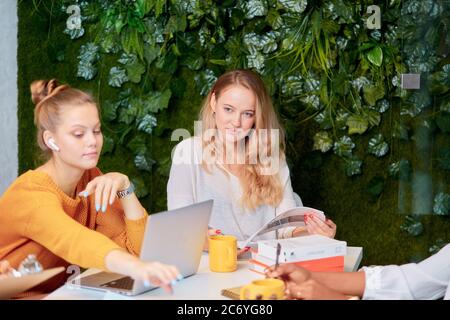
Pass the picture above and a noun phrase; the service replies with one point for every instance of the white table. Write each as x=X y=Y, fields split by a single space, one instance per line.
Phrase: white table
x=204 y=285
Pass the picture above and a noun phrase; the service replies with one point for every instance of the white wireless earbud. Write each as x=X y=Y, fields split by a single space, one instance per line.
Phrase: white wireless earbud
x=52 y=144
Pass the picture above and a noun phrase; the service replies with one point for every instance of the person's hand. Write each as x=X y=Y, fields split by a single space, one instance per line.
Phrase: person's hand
x=316 y=226
x=105 y=189
x=312 y=290
x=289 y=273
x=209 y=233
x=159 y=274
x=5 y=268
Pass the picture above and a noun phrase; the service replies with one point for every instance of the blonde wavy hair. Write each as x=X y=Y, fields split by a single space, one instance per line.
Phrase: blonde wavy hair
x=258 y=187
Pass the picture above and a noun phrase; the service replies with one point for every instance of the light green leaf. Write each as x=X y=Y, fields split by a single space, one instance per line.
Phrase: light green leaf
x=322 y=141
x=373 y=117
x=375 y=56
x=377 y=146
x=373 y=93
x=274 y=19
x=357 y=124
x=117 y=77
x=343 y=147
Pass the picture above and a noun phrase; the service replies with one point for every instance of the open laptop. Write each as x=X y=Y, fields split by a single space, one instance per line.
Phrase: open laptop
x=174 y=237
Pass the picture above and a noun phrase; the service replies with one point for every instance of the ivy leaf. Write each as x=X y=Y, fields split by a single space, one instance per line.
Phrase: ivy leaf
x=322 y=141
x=443 y=159
x=375 y=56
x=373 y=117
x=176 y=23
x=138 y=145
x=372 y=94
x=442 y=204
x=377 y=146
x=205 y=80
x=357 y=124
x=109 y=110
x=352 y=166
x=74 y=33
x=255 y=8
x=297 y=6
x=415 y=104
x=142 y=162
x=140 y=188
x=147 y=123
x=192 y=61
x=108 y=145
x=344 y=147
x=117 y=77
x=412 y=225
x=155 y=101
x=135 y=71
x=400 y=169
x=87 y=58
x=274 y=19
x=292 y=86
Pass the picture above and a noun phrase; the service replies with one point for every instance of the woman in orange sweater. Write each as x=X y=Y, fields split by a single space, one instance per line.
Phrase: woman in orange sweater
x=66 y=211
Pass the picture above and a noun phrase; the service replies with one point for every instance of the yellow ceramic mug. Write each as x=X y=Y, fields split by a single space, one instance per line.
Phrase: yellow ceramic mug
x=222 y=253
x=265 y=289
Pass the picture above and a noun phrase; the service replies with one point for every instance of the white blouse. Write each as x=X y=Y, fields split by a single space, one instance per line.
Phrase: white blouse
x=190 y=183
x=427 y=280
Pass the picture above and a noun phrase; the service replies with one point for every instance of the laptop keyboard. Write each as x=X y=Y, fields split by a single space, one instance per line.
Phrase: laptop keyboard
x=122 y=283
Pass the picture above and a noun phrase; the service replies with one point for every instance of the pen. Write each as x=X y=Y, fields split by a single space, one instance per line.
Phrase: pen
x=278 y=255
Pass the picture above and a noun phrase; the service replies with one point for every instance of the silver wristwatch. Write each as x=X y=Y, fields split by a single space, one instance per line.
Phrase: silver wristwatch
x=123 y=193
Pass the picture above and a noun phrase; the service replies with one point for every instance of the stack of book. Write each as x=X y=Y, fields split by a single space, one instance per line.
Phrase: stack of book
x=314 y=252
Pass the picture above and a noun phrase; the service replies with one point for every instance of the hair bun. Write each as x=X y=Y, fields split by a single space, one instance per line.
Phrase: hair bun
x=41 y=89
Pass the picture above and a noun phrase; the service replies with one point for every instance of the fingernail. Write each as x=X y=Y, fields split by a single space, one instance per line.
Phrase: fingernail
x=180 y=277
x=104 y=208
x=97 y=207
x=218 y=231
x=146 y=283
x=173 y=282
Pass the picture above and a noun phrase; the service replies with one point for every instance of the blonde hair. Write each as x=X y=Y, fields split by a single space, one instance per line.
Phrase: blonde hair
x=50 y=98
x=258 y=188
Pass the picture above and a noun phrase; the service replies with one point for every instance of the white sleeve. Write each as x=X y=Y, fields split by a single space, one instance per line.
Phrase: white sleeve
x=288 y=201
x=428 y=279
x=181 y=184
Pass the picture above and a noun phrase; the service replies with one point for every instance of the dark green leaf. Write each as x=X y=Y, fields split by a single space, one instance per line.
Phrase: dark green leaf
x=108 y=144
x=142 y=162
x=375 y=186
x=155 y=101
x=109 y=110
x=140 y=188
x=137 y=145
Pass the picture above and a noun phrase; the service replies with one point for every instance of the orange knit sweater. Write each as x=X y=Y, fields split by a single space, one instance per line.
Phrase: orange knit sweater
x=39 y=218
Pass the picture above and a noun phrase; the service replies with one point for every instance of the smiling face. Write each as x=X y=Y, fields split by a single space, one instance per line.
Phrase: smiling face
x=235 y=112
x=78 y=136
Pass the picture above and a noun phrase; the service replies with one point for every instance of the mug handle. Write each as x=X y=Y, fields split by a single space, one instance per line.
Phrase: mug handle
x=243 y=292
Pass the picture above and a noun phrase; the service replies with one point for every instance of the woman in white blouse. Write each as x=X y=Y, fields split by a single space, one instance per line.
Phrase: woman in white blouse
x=427 y=280
x=238 y=160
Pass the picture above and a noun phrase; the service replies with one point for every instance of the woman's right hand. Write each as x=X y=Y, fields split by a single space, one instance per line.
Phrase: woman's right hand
x=209 y=233
x=289 y=273
x=159 y=274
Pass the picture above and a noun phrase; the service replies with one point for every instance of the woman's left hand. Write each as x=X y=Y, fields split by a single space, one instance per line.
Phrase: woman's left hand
x=312 y=290
x=105 y=188
x=316 y=226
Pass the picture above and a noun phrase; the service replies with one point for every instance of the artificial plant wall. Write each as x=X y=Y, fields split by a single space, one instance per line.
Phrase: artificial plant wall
x=373 y=156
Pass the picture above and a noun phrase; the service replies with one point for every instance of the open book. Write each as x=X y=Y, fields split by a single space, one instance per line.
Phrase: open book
x=294 y=217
